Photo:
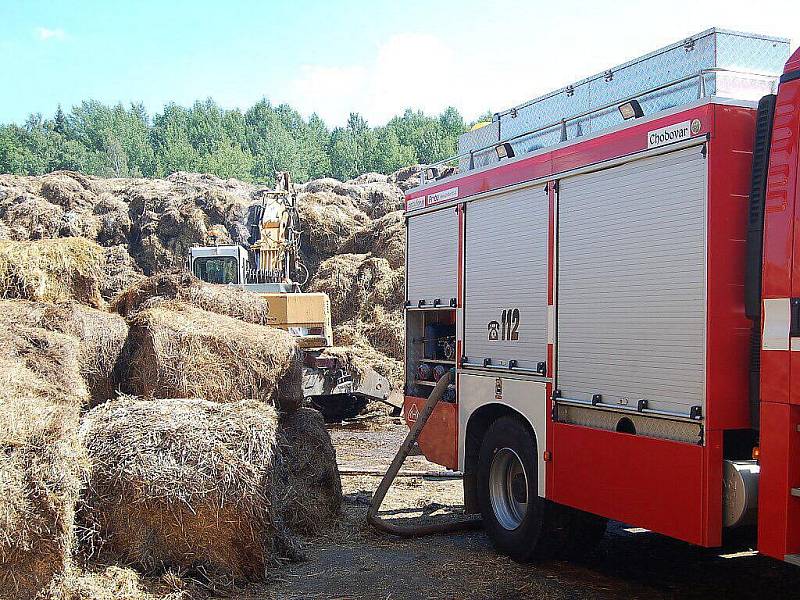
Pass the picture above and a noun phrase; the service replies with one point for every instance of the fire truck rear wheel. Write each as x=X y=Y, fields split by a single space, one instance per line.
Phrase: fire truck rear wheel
x=519 y=522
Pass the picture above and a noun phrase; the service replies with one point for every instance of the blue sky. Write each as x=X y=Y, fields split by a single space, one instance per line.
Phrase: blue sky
x=330 y=57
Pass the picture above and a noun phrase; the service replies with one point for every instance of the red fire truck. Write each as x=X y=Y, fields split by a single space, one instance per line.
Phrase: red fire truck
x=609 y=268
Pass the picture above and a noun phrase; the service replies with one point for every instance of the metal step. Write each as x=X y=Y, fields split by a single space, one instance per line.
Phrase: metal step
x=793 y=559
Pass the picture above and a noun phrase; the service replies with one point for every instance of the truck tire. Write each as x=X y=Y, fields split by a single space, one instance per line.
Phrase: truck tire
x=519 y=522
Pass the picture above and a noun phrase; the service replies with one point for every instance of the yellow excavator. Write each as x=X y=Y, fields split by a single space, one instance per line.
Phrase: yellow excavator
x=271 y=267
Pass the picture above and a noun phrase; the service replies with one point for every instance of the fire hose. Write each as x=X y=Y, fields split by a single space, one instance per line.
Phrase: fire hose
x=405 y=449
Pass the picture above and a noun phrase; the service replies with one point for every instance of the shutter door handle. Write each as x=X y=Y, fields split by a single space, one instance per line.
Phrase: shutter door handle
x=794 y=317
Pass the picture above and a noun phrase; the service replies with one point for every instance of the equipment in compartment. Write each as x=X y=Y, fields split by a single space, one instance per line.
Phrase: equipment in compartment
x=439 y=337
x=424 y=372
x=431 y=350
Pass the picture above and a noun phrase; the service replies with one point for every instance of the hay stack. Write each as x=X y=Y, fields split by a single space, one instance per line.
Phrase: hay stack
x=41 y=467
x=355 y=281
x=187 y=484
x=328 y=221
x=382 y=238
x=220 y=299
x=56 y=270
x=178 y=351
x=120 y=272
x=314 y=493
x=100 y=335
x=40 y=364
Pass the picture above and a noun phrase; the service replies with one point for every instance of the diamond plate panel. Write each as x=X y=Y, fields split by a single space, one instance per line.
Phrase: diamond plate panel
x=711 y=49
x=655 y=427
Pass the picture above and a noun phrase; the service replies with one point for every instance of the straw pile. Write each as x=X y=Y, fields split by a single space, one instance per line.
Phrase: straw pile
x=100 y=336
x=41 y=467
x=186 y=484
x=52 y=270
x=366 y=303
x=41 y=464
x=178 y=351
x=220 y=299
x=314 y=494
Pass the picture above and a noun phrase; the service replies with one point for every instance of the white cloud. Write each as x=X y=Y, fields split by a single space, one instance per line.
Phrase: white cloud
x=418 y=71
x=45 y=34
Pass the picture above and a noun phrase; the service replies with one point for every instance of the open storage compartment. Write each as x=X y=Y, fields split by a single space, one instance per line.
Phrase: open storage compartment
x=430 y=350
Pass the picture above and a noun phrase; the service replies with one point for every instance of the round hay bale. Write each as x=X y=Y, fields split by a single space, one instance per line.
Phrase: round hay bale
x=187 y=484
x=381 y=198
x=114 y=226
x=314 y=493
x=328 y=220
x=55 y=270
x=63 y=189
x=41 y=469
x=40 y=364
x=382 y=238
x=31 y=218
x=178 y=351
x=100 y=336
x=220 y=299
x=407 y=177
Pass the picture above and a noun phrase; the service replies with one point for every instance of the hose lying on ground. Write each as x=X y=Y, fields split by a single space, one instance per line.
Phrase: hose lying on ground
x=406 y=447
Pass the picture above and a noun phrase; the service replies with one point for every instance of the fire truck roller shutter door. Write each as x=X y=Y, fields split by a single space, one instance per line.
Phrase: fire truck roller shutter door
x=505 y=296
x=632 y=283
x=432 y=257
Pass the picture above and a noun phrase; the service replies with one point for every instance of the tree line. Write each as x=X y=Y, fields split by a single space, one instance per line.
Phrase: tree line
x=125 y=141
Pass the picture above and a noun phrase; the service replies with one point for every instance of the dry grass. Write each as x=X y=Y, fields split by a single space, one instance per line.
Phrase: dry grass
x=101 y=337
x=41 y=467
x=220 y=299
x=186 y=484
x=179 y=351
x=56 y=270
x=112 y=582
x=314 y=494
x=40 y=364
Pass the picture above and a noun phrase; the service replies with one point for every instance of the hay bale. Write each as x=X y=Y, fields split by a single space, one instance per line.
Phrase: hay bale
x=112 y=582
x=220 y=299
x=31 y=218
x=114 y=223
x=120 y=272
x=56 y=270
x=382 y=238
x=314 y=492
x=328 y=220
x=356 y=281
x=101 y=335
x=39 y=364
x=178 y=351
x=407 y=177
x=381 y=198
x=42 y=465
x=187 y=484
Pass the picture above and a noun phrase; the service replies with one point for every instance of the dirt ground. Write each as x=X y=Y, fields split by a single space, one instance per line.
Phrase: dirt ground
x=356 y=562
